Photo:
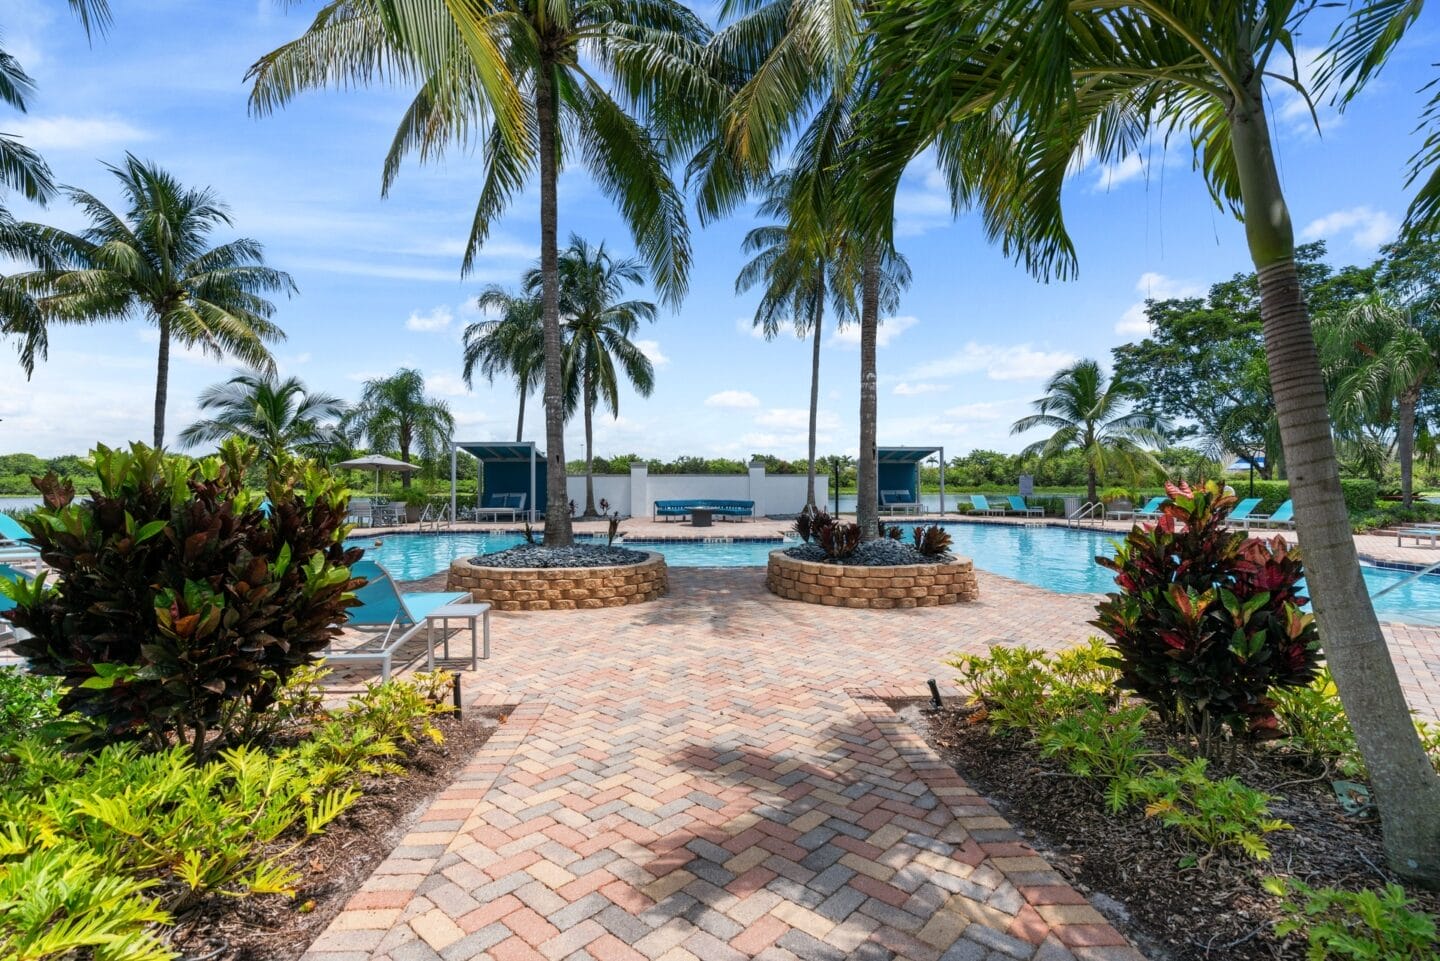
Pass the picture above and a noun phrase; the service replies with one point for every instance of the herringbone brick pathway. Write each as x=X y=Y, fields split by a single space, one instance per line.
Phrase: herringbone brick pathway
x=712 y=776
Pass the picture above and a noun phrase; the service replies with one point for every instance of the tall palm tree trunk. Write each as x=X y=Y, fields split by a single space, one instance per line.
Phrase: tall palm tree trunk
x=558 y=531
x=520 y=421
x=1406 y=787
x=1405 y=441
x=589 y=445
x=1092 y=488
x=405 y=456
x=818 y=323
x=162 y=382
x=867 y=482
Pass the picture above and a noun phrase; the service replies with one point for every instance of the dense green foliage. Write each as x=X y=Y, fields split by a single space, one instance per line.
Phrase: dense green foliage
x=1207 y=620
x=177 y=593
x=26 y=700
x=102 y=849
x=1355 y=925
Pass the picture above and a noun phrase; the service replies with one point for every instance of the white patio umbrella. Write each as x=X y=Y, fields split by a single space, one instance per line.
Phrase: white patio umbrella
x=377 y=463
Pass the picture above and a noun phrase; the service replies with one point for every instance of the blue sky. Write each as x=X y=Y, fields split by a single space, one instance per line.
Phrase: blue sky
x=379 y=279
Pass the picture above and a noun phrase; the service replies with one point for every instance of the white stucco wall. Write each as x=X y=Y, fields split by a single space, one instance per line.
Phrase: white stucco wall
x=636 y=494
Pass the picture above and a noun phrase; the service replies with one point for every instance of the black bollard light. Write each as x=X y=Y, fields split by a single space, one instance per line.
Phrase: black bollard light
x=455 y=692
x=934 y=694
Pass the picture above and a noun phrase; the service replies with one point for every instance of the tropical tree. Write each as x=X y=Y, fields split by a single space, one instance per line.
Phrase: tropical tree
x=1092 y=414
x=277 y=416
x=522 y=77
x=799 y=265
x=395 y=413
x=1091 y=81
x=512 y=343
x=599 y=328
x=1379 y=359
x=155 y=261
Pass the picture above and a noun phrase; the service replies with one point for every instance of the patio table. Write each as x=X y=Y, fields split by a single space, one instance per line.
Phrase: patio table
x=475 y=613
x=700 y=516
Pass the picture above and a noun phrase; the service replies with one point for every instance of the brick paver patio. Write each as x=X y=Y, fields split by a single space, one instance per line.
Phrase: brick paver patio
x=714 y=776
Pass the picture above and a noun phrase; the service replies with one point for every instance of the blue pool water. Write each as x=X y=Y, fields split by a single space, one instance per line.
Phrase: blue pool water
x=1054 y=558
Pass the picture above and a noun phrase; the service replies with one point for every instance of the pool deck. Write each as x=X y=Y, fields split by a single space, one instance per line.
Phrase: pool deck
x=717 y=775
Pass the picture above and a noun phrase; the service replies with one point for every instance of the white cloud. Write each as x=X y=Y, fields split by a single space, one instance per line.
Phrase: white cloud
x=1365 y=227
x=446 y=385
x=995 y=361
x=74 y=133
x=982 y=410
x=1292 y=109
x=733 y=399
x=906 y=389
x=1113 y=175
x=651 y=349
x=796 y=419
x=436 y=321
x=388 y=271
x=922 y=202
x=189 y=353
x=890 y=328
x=748 y=327
x=1153 y=286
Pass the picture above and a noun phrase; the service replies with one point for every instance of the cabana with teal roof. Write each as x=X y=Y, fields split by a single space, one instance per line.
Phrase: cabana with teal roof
x=899 y=470
x=507 y=469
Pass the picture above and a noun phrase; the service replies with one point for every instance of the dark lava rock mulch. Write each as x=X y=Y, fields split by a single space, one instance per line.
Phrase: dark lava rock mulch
x=883 y=552
x=1130 y=865
x=580 y=555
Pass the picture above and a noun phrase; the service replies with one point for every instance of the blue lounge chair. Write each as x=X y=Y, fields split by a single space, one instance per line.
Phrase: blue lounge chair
x=982 y=506
x=8 y=573
x=1417 y=534
x=394 y=617
x=1018 y=505
x=1151 y=509
x=1284 y=516
x=16 y=547
x=1243 y=510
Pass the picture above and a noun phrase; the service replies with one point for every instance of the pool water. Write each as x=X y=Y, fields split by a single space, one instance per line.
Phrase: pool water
x=1057 y=559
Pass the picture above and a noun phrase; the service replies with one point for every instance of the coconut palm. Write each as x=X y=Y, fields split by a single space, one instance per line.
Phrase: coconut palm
x=1087 y=82
x=1379 y=359
x=1090 y=413
x=277 y=416
x=798 y=265
x=599 y=327
x=394 y=413
x=155 y=261
x=513 y=343
x=523 y=78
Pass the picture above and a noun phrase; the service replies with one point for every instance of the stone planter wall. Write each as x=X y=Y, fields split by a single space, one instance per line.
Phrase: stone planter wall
x=561 y=588
x=839 y=585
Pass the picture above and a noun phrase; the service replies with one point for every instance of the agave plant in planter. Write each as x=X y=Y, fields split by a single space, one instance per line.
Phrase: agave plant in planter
x=932 y=541
x=837 y=539
x=1207 y=620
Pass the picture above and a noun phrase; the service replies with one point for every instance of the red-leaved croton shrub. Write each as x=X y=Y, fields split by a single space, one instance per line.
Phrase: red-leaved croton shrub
x=174 y=591
x=1207 y=620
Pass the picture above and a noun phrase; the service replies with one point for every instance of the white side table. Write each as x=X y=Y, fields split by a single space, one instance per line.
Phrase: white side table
x=476 y=614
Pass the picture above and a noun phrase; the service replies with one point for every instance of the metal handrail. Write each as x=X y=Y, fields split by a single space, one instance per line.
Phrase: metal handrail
x=1414 y=575
x=1092 y=512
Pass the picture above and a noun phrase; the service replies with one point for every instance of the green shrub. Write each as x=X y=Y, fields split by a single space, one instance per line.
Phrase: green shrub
x=1314 y=721
x=178 y=594
x=26 y=700
x=1026 y=689
x=1097 y=742
x=1207 y=621
x=1219 y=814
x=1360 y=493
x=1358 y=925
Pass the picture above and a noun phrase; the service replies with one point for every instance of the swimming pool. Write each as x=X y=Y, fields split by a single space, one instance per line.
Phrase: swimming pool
x=1055 y=558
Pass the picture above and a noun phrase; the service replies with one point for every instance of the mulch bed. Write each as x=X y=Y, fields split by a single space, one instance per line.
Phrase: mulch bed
x=335 y=864
x=1128 y=865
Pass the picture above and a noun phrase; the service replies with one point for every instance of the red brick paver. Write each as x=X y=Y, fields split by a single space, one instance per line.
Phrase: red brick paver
x=714 y=776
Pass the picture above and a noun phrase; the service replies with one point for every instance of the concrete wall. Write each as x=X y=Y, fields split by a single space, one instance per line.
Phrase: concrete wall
x=636 y=494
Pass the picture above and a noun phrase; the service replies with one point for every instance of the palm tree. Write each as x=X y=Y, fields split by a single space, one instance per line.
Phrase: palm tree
x=277 y=416
x=156 y=261
x=798 y=264
x=513 y=343
x=1379 y=359
x=598 y=328
x=1093 y=81
x=522 y=77
x=1090 y=414
x=394 y=413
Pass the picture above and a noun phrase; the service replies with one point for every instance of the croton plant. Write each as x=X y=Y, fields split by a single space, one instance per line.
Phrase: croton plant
x=175 y=590
x=1207 y=619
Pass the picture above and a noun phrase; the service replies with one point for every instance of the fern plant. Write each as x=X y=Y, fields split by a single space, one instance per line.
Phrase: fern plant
x=1096 y=742
x=1219 y=814
x=1359 y=925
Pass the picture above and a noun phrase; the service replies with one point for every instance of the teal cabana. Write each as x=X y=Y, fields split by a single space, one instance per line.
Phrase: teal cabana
x=507 y=469
x=898 y=470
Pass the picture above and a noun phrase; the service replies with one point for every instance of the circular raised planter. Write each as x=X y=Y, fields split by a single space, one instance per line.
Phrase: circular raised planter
x=560 y=588
x=845 y=585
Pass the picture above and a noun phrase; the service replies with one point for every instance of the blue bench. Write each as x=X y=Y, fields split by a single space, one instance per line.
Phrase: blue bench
x=719 y=508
